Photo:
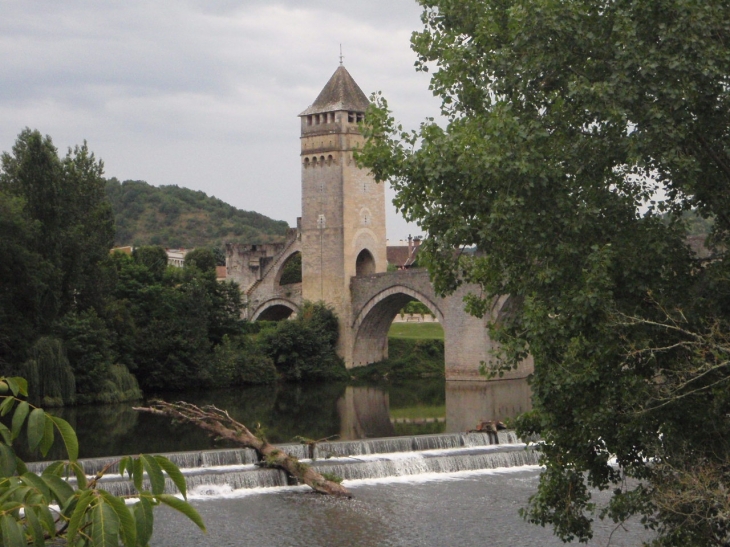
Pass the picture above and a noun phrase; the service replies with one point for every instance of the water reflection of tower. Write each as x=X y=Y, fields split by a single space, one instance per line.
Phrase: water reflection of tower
x=364 y=413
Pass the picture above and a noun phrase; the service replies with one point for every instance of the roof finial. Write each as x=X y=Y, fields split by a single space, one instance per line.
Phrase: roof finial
x=341 y=56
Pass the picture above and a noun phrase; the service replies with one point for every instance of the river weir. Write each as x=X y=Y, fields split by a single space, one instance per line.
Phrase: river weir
x=209 y=471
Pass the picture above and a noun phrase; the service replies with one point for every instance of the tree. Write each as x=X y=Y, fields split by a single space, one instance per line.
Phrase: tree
x=38 y=508
x=570 y=129
x=303 y=349
x=219 y=423
x=202 y=258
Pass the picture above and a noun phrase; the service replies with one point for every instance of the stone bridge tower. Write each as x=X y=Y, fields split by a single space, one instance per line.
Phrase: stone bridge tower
x=343 y=208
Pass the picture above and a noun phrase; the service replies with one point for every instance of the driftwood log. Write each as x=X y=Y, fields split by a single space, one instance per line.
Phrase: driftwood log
x=219 y=423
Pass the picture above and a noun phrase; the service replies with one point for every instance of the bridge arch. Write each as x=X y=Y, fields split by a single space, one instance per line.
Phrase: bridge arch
x=275 y=309
x=291 y=259
x=370 y=328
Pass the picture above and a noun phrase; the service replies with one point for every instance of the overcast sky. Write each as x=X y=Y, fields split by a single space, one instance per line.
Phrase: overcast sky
x=201 y=93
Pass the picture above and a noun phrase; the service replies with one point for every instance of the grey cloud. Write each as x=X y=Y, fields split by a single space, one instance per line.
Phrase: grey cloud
x=199 y=93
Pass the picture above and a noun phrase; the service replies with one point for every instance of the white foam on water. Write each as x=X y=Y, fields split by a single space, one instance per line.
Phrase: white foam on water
x=432 y=477
x=213 y=492
x=207 y=493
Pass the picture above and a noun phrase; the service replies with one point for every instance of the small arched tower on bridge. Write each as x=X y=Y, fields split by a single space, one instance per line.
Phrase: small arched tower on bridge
x=343 y=208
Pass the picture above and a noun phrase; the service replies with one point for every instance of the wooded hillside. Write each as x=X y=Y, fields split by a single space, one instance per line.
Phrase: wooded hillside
x=178 y=217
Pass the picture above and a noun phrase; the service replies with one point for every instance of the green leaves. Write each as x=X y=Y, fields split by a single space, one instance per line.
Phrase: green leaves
x=104 y=526
x=36 y=428
x=174 y=473
x=564 y=122
x=184 y=507
x=94 y=517
x=68 y=435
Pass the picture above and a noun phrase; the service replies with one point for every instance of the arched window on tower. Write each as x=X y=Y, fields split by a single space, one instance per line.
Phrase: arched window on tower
x=306 y=162
x=351 y=117
x=365 y=263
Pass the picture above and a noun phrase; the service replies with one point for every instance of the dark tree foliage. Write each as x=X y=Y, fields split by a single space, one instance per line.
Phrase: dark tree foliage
x=167 y=325
x=100 y=314
x=305 y=348
x=571 y=129
x=292 y=270
x=57 y=236
x=178 y=217
x=24 y=281
x=201 y=258
x=152 y=257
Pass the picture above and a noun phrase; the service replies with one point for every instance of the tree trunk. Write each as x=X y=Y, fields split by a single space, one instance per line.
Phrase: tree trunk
x=219 y=423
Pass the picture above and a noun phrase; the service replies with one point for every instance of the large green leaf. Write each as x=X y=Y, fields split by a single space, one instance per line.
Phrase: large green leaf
x=138 y=470
x=104 y=525
x=47 y=520
x=123 y=465
x=60 y=489
x=21 y=413
x=172 y=470
x=13 y=535
x=47 y=440
x=34 y=527
x=5 y=433
x=128 y=527
x=7 y=405
x=69 y=437
x=19 y=386
x=143 y=519
x=154 y=473
x=36 y=426
x=34 y=481
x=78 y=515
x=7 y=461
x=56 y=468
x=184 y=507
x=80 y=474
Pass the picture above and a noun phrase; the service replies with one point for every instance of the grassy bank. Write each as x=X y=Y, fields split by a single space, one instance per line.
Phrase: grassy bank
x=415 y=350
x=416 y=331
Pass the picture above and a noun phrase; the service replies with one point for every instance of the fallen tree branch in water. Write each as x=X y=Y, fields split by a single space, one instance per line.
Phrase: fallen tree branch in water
x=218 y=422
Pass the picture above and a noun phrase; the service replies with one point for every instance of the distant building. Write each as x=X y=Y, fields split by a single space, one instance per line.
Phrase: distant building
x=127 y=250
x=176 y=257
x=403 y=254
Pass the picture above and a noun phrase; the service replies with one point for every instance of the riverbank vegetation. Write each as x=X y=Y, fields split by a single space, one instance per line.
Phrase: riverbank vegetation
x=84 y=325
x=576 y=136
x=415 y=350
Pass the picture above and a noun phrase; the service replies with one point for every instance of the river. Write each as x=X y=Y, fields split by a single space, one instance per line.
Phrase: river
x=398 y=499
x=464 y=509
x=314 y=411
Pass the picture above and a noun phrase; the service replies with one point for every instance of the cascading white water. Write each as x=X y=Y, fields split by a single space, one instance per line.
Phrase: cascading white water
x=363 y=459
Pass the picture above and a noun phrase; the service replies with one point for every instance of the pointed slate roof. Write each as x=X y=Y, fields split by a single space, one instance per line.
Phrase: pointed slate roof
x=340 y=93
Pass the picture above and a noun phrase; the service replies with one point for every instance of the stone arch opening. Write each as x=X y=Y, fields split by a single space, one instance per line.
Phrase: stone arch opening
x=373 y=323
x=290 y=271
x=365 y=263
x=274 y=310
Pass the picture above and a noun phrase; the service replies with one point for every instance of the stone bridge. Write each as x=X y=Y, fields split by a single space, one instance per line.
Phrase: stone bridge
x=375 y=300
x=378 y=298
x=341 y=240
